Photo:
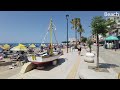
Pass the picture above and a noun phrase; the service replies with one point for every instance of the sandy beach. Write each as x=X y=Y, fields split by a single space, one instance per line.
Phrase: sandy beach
x=6 y=62
x=4 y=65
x=5 y=72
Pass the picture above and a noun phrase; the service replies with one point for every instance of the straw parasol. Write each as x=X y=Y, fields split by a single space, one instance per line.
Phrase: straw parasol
x=43 y=45
x=20 y=47
x=6 y=47
x=32 y=46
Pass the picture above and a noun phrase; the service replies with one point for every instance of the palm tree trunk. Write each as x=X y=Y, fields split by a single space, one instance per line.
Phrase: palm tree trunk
x=90 y=48
x=80 y=36
x=97 y=51
x=76 y=36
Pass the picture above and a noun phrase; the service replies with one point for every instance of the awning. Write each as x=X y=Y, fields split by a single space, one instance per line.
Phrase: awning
x=118 y=37
x=110 y=38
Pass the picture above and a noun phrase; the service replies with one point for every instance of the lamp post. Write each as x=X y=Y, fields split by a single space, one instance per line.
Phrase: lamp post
x=67 y=16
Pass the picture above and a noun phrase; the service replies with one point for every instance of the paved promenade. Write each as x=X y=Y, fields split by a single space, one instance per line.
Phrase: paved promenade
x=110 y=56
x=86 y=73
x=8 y=73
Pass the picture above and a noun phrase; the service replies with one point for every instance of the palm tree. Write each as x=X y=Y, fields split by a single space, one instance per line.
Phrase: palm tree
x=80 y=30
x=75 y=22
x=84 y=39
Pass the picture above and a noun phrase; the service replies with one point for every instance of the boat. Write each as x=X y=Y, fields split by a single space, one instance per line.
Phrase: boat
x=44 y=57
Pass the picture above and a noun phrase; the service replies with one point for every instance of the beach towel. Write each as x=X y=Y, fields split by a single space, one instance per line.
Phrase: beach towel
x=1 y=57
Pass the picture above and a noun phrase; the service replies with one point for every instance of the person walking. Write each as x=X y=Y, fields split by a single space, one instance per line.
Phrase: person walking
x=71 y=48
x=79 y=48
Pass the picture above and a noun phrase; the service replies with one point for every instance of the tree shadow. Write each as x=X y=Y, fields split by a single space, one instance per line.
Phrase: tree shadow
x=103 y=67
x=81 y=55
x=49 y=66
x=107 y=65
x=6 y=63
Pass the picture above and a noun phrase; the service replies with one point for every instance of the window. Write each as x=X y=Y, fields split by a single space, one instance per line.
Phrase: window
x=118 y=17
x=118 y=25
x=118 y=21
x=114 y=18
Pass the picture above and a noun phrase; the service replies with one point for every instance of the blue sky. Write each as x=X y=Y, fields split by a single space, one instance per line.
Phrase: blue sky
x=31 y=26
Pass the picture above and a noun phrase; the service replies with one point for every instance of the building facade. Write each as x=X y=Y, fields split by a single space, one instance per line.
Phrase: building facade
x=115 y=29
x=94 y=38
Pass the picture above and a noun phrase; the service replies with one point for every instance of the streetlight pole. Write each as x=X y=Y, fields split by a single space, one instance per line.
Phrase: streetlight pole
x=67 y=31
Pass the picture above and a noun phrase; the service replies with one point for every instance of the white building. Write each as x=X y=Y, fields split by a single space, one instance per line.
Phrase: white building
x=116 y=27
x=72 y=39
x=94 y=38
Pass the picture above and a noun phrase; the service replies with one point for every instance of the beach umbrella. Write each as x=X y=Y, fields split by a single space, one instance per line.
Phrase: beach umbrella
x=32 y=46
x=43 y=45
x=20 y=47
x=6 y=47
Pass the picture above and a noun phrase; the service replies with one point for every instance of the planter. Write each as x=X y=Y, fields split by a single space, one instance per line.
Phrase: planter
x=89 y=59
x=90 y=54
x=88 y=50
x=76 y=50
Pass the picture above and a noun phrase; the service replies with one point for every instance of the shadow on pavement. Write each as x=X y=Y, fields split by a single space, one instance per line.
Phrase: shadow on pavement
x=49 y=66
x=6 y=63
x=107 y=65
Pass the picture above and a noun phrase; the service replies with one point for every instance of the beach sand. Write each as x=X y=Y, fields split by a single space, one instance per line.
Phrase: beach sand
x=4 y=64
x=5 y=72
